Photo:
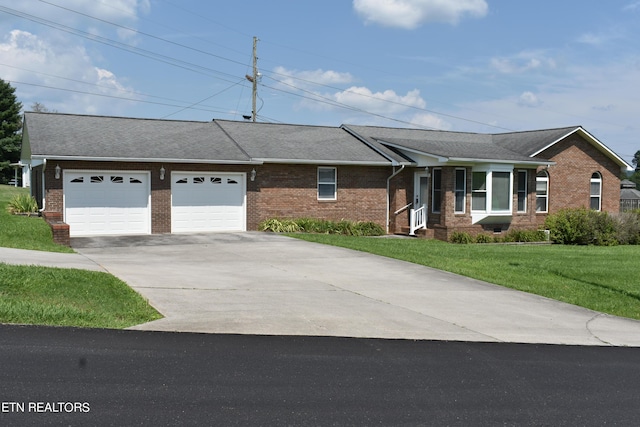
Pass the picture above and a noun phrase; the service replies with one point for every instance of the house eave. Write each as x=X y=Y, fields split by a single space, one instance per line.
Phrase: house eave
x=146 y=160
x=325 y=162
x=502 y=161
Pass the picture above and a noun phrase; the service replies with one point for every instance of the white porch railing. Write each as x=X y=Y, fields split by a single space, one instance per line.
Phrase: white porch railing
x=417 y=219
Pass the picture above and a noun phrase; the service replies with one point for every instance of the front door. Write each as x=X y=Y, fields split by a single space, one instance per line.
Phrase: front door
x=421 y=189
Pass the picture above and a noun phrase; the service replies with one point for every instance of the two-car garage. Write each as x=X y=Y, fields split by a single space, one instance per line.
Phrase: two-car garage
x=119 y=202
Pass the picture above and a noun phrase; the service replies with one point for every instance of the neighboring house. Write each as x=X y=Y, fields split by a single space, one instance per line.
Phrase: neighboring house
x=96 y=175
x=629 y=196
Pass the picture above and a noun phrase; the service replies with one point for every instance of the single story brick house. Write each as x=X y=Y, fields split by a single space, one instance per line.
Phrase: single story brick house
x=97 y=175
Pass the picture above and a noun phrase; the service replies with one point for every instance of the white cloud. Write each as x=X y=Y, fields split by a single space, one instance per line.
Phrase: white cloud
x=387 y=103
x=43 y=65
x=529 y=99
x=523 y=62
x=410 y=14
x=121 y=12
x=311 y=78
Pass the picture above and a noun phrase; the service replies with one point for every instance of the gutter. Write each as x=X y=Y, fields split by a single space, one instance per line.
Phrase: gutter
x=389 y=196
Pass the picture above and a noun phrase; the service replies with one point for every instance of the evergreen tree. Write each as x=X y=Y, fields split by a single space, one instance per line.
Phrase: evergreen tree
x=10 y=130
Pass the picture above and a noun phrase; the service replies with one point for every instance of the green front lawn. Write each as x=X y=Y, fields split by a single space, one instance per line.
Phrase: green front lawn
x=23 y=232
x=602 y=278
x=56 y=296
x=69 y=297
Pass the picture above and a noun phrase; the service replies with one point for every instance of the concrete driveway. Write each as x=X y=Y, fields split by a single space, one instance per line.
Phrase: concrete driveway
x=259 y=283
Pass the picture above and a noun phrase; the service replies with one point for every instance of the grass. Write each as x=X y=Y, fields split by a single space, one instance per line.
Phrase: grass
x=601 y=278
x=23 y=232
x=55 y=296
x=68 y=297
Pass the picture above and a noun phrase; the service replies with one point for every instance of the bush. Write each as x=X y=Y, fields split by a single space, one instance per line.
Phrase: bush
x=582 y=227
x=22 y=203
x=484 y=238
x=461 y=237
x=628 y=227
x=322 y=226
x=280 y=226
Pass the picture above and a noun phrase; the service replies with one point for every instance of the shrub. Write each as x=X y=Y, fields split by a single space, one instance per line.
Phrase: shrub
x=280 y=226
x=22 y=203
x=484 y=238
x=582 y=227
x=628 y=227
x=461 y=237
x=322 y=226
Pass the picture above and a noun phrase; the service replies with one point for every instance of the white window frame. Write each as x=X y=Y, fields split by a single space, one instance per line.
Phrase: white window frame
x=542 y=176
x=519 y=191
x=596 y=178
x=463 y=190
x=488 y=207
x=333 y=183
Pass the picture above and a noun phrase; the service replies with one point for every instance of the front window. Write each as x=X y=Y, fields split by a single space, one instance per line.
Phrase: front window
x=436 y=190
x=460 y=190
x=479 y=191
x=522 y=191
x=500 y=191
x=596 y=191
x=542 y=192
x=327 y=184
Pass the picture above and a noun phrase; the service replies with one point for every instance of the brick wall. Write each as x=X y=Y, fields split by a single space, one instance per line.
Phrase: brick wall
x=290 y=191
x=569 y=180
x=282 y=191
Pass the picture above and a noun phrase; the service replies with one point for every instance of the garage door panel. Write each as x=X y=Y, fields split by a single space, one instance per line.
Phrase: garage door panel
x=107 y=203
x=208 y=202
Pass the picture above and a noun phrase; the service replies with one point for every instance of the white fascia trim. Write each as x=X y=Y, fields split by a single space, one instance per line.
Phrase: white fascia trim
x=322 y=162
x=148 y=160
x=594 y=141
x=502 y=162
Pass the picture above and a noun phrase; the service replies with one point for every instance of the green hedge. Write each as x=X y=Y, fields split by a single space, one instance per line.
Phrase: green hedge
x=588 y=227
x=322 y=226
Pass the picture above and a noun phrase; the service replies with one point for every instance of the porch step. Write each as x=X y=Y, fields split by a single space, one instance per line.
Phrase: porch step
x=423 y=232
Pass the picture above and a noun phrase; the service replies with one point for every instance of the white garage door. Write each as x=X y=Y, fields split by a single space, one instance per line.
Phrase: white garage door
x=207 y=202
x=107 y=202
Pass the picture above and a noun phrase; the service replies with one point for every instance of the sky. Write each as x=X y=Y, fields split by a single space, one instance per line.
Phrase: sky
x=459 y=65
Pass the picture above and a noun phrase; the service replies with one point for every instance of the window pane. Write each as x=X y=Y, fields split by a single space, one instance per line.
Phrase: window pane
x=595 y=203
x=326 y=191
x=479 y=181
x=460 y=179
x=479 y=201
x=541 y=204
x=437 y=179
x=522 y=181
x=522 y=191
x=500 y=191
x=326 y=175
x=541 y=188
x=595 y=188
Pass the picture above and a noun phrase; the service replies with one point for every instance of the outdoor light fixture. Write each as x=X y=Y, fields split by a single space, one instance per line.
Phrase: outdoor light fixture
x=162 y=171
x=253 y=174
x=58 y=170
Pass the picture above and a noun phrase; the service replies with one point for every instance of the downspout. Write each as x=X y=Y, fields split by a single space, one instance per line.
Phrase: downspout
x=389 y=195
x=44 y=198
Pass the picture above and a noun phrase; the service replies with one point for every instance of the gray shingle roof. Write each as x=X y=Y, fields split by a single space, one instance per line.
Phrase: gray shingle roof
x=95 y=137
x=452 y=145
x=301 y=143
x=531 y=142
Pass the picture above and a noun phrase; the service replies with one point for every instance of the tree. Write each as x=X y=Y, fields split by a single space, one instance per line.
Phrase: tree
x=41 y=108
x=636 y=161
x=10 y=128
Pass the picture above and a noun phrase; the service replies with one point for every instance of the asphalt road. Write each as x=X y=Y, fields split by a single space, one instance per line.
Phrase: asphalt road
x=66 y=376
